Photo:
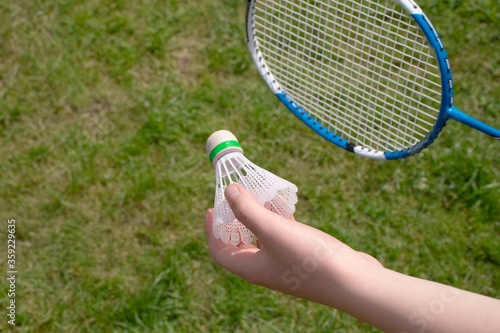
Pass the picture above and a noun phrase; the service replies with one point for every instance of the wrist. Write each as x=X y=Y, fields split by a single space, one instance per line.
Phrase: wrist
x=352 y=271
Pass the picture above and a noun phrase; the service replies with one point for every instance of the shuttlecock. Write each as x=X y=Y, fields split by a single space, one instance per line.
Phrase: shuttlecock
x=231 y=167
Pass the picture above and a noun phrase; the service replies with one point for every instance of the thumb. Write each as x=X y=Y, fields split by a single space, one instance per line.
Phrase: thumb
x=253 y=215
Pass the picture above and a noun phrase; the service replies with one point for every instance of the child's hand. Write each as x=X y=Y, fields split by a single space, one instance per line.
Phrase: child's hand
x=292 y=257
x=302 y=261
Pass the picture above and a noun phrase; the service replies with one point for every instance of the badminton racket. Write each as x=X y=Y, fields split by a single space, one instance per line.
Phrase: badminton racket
x=371 y=76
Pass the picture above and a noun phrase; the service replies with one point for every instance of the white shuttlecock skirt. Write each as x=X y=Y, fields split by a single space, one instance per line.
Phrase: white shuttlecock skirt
x=274 y=193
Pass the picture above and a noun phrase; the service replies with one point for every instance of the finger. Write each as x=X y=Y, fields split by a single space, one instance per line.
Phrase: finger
x=238 y=260
x=213 y=243
x=262 y=222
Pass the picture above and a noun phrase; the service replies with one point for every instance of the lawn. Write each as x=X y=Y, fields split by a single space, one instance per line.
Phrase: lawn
x=105 y=107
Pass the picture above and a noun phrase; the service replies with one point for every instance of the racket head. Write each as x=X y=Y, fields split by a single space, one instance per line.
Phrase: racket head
x=286 y=36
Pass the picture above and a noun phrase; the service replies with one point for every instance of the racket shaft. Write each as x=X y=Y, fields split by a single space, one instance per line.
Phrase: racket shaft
x=465 y=119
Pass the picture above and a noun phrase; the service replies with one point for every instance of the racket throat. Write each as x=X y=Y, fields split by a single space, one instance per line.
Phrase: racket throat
x=457 y=115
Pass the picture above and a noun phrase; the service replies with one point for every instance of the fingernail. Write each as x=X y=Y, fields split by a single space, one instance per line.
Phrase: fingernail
x=232 y=192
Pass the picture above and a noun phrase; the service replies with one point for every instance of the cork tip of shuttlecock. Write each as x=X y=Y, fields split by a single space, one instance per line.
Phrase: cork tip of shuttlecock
x=221 y=142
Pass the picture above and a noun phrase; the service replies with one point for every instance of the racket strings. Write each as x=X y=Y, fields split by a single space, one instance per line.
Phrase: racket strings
x=362 y=69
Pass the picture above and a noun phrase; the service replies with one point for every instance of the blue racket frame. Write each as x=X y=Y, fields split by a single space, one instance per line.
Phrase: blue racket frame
x=447 y=109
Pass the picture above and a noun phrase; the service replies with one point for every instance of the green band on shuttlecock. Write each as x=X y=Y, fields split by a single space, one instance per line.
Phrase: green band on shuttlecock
x=221 y=146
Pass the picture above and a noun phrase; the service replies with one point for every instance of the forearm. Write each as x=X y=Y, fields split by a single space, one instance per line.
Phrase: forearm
x=305 y=262
x=335 y=275
x=395 y=302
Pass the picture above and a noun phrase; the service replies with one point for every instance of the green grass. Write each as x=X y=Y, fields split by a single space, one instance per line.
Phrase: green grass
x=105 y=107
